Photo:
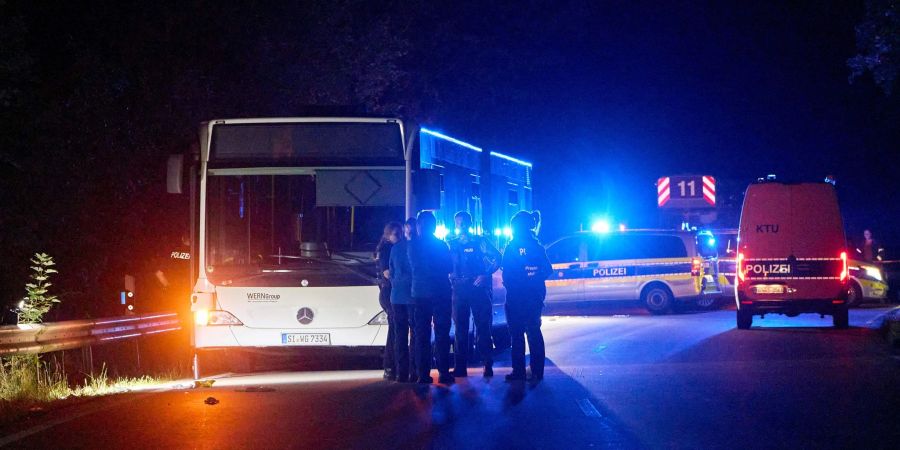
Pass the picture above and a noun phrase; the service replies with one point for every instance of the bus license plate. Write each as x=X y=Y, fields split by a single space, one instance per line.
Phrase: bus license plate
x=769 y=289
x=306 y=338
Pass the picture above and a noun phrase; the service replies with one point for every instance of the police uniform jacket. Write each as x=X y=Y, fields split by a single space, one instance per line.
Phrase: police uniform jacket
x=525 y=267
x=429 y=259
x=472 y=257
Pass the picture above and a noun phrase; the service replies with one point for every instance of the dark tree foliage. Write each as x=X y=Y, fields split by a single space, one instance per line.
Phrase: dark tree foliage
x=96 y=94
x=878 y=43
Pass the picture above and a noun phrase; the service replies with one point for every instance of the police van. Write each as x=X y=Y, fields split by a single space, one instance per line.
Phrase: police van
x=660 y=268
x=868 y=282
x=791 y=256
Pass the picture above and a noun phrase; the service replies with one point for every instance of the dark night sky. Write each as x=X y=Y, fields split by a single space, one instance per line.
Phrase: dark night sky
x=735 y=92
x=603 y=97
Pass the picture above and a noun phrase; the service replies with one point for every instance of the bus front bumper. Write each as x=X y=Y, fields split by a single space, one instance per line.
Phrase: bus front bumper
x=243 y=336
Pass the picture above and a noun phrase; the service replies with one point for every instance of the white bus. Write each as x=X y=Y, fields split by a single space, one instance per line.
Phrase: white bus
x=286 y=214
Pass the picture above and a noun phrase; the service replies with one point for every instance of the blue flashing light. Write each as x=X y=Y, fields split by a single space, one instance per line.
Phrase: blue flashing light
x=441 y=232
x=122 y=297
x=456 y=231
x=507 y=231
x=600 y=226
x=711 y=242
x=450 y=139
x=498 y=232
x=510 y=158
x=471 y=230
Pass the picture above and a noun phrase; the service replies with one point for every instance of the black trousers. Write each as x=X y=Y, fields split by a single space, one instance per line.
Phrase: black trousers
x=384 y=298
x=523 y=314
x=404 y=341
x=428 y=311
x=469 y=300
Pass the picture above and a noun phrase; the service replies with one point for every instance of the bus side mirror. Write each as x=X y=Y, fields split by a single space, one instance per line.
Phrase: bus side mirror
x=427 y=189
x=175 y=174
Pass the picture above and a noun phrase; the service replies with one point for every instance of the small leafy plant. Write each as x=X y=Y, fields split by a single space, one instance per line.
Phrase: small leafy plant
x=38 y=299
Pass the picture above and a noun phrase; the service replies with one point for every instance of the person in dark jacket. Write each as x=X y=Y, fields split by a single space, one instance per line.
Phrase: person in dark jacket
x=475 y=259
x=869 y=249
x=401 y=302
x=391 y=235
x=429 y=259
x=525 y=267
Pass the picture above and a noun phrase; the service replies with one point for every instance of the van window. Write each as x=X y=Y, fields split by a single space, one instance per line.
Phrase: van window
x=565 y=250
x=616 y=247
x=727 y=245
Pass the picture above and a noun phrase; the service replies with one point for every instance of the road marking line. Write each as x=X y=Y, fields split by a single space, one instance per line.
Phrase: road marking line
x=588 y=408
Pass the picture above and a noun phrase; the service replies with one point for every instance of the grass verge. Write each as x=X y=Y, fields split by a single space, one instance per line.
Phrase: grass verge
x=29 y=385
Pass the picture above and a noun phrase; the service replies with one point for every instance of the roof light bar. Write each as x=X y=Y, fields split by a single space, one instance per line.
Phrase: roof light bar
x=453 y=140
x=510 y=158
x=472 y=147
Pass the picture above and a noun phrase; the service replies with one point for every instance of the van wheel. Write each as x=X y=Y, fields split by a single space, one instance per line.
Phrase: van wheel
x=855 y=296
x=707 y=303
x=744 y=319
x=657 y=299
x=841 y=318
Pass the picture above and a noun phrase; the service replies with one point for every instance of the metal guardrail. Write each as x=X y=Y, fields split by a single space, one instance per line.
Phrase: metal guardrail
x=71 y=334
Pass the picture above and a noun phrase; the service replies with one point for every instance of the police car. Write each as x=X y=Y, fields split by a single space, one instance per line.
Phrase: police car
x=660 y=268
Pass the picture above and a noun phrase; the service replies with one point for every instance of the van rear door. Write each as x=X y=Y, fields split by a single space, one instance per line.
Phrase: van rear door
x=766 y=222
x=816 y=221
x=792 y=235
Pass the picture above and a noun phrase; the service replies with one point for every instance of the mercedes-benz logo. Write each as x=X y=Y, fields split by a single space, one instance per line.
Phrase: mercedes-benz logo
x=305 y=315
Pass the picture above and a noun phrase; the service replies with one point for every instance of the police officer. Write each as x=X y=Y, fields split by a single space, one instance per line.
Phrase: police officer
x=171 y=286
x=474 y=261
x=430 y=264
x=525 y=267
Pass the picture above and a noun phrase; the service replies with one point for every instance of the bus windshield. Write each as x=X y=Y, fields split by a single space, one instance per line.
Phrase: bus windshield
x=271 y=230
x=307 y=144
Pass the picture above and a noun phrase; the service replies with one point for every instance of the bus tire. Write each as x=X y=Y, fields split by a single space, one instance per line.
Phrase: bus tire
x=657 y=298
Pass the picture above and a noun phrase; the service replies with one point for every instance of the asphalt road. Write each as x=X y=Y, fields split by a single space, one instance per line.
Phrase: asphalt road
x=616 y=378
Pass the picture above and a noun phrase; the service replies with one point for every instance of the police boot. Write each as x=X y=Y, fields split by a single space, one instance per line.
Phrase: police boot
x=446 y=378
x=516 y=376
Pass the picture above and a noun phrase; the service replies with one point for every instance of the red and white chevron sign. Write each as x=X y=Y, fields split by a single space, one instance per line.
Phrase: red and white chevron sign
x=709 y=190
x=663 y=191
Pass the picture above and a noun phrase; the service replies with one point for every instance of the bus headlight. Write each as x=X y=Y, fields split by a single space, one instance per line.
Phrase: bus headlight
x=379 y=319
x=873 y=272
x=215 y=318
x=201 y=317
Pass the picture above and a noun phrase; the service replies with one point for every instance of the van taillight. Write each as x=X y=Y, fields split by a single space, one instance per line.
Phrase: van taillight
x=696 y=265
x=740 y=267
x=844 y=270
